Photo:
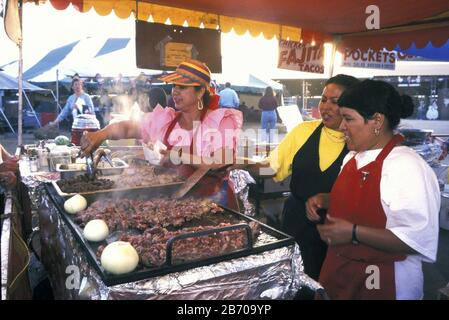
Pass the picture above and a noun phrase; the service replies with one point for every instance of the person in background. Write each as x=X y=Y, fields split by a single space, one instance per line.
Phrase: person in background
x=312 y=154
x=228 y=97
x=157 y=96
x=382 y=212
x=268 y=105
x=78 y=103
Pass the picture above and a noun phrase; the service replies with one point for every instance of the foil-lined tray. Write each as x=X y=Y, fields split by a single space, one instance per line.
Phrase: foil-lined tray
x=269 y=239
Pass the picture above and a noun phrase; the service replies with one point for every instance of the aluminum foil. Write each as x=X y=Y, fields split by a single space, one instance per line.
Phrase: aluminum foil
x=241 y=180
x=275 y=274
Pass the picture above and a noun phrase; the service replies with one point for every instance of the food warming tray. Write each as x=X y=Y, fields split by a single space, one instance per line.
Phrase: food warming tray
x=167 y=188
x=272 y=239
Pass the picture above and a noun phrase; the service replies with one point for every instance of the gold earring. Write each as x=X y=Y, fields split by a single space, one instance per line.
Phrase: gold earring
x=377 y=131
x=200 y=105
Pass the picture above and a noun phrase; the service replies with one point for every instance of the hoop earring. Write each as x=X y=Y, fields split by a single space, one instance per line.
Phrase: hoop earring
x=376 y=132
x=200 y=105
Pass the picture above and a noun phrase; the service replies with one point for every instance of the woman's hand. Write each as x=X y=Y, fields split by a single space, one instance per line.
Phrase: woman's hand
x=315 y=203
x=90 y=141
x=335 y=231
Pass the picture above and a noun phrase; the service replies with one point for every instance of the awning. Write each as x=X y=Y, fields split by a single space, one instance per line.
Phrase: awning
x=294 y=19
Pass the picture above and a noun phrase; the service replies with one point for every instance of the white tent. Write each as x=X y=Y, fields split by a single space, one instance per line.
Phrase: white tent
x=87 y=57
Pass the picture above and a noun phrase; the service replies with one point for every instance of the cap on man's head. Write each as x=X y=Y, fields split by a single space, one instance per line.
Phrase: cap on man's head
x=189 y=73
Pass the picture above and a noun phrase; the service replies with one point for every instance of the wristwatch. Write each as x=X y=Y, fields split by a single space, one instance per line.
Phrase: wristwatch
x=354 y=235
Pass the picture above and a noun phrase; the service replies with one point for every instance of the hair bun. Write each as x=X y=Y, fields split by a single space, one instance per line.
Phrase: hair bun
x=407 y=106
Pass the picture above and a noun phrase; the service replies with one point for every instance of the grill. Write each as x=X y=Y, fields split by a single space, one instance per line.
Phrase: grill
x=269 y=239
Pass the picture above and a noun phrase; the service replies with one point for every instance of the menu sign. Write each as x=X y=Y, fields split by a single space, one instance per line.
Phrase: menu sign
x=297 y=56
x=164 y=47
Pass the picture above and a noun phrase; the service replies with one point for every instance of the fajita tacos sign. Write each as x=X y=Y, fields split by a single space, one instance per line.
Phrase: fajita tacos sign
x=301 y=57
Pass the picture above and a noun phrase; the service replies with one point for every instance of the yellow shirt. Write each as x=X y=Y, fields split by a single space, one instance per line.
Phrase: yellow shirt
x=331 y=145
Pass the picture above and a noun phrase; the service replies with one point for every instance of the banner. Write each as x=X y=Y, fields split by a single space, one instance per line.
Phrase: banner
x=12 y=21
x=164 y=47
x=301 y=57
x=371 y=59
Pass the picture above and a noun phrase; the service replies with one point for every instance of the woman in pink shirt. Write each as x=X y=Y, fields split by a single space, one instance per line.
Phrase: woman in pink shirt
x=195 y=133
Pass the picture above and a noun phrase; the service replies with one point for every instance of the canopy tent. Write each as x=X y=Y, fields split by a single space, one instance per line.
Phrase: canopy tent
x=87 y=57
x=10 y=83
x=247 y=83
x=401 y=22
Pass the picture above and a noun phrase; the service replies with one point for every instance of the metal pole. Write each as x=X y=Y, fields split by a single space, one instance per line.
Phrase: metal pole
x=57 y=87
x=20 y=87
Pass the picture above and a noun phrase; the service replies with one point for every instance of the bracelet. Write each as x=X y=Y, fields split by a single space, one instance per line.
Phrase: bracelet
x=354 y=235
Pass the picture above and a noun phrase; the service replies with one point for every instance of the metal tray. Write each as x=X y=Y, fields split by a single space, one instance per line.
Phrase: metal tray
x=167 y=189
x=76 y=169
x=272 y=239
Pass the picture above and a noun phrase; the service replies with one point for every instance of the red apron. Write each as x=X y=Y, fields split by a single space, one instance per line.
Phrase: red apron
x=355 y=197
x=211 y=183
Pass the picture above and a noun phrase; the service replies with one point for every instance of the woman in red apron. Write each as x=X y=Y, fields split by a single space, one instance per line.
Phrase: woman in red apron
x=383 y=208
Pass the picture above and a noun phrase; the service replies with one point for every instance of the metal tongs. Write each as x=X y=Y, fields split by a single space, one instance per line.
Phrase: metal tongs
x=90 y=168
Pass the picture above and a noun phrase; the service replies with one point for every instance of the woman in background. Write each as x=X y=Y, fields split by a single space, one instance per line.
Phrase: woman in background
x=268 y=105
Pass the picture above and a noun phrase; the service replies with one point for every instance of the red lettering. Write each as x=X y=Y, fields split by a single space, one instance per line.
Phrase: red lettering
x=282 y=57
x=291 y=57
x=302 y=55
x=371 y=55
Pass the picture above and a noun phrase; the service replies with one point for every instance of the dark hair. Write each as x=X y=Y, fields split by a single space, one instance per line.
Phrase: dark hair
x=269 y=92
x=227 y=84
x=157 y=96
x=371 y=96
x=343 y=80
x=206 y=95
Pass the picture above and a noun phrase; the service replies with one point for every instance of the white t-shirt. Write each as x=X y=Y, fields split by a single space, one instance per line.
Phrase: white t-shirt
x=410 y=197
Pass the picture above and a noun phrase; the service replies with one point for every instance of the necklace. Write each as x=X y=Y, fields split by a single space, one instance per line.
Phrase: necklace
x=337 y=137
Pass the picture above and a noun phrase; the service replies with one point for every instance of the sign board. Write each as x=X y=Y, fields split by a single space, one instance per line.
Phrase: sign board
x=164 y=47
x=290 y=116
x=297 y=56
x=371 y=59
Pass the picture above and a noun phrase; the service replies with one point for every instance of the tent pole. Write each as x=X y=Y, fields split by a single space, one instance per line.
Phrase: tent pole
x=32 y=109
x=57 y=88
x=57 y=103
x=334 y=53
x=20 y=87
x=7 y=121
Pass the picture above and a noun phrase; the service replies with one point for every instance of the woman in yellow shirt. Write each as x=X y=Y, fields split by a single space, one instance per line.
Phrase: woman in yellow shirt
x=312 y=153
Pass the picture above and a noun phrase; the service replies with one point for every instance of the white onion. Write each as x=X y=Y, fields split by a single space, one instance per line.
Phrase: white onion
x=96 y=230
x=119 y=257
x=75 y=204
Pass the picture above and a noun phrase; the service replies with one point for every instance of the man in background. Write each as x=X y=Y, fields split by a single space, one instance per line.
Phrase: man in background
x=228 y=97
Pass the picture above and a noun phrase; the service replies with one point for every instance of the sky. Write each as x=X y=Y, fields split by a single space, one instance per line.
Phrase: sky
x=45 y=28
